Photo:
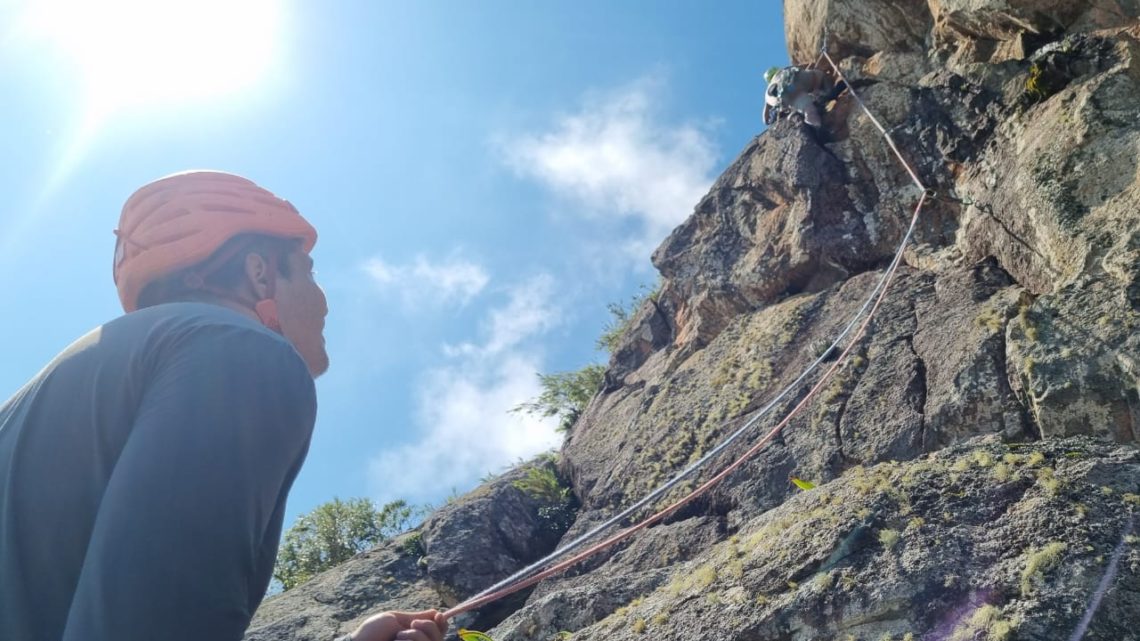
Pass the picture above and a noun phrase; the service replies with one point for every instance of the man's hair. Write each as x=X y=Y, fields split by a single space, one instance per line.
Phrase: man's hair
x=227 y=277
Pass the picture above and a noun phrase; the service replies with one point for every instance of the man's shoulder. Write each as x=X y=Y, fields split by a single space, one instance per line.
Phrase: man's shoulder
x=189 y=318
x=172 y=328
x=190 y=343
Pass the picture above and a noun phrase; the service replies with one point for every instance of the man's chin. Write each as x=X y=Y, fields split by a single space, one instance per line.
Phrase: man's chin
x=322 y=362
x=320 y=365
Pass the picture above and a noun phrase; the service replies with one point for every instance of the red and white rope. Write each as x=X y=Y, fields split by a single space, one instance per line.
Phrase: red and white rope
x=531 y=575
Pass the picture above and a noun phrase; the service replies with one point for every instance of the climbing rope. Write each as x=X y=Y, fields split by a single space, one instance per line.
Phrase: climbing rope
x=878 y=125
x=1105 y=583
x=534 y=573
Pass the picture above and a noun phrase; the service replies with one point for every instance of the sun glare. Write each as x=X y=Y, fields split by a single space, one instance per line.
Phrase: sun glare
x=144 y=52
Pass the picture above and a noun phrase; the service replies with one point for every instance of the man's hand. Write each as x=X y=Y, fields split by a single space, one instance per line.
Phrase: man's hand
x=403 y=626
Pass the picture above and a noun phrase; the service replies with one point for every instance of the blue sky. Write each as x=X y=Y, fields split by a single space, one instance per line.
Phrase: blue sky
x=485 y=177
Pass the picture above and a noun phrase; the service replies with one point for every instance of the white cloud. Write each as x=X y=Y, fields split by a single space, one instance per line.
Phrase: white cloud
x=529 y=311
x=452 y=280
x=617 y=156
x=463 y=407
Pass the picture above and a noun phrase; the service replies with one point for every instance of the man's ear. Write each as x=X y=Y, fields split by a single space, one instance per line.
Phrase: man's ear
x=257 y=275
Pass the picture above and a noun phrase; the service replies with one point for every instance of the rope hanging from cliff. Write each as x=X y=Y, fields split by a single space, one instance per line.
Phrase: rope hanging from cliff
x=534 y=573
x=878 y=125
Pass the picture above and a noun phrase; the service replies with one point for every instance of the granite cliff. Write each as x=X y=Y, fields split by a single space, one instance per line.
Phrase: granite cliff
x=976 y=458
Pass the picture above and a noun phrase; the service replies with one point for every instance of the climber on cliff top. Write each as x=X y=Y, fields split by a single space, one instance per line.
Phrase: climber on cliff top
x=144 y=471
x=800 y=90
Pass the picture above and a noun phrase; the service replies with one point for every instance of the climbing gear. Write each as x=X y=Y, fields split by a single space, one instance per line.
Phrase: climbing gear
x=878 y=125
x=781 y=81
x=532 y=574
x=798 y=90
x=179 y=221
x=771 y=73
x=520 y=580
x=535 y=573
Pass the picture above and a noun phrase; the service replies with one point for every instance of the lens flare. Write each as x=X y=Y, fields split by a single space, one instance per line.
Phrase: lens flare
x=145 y=52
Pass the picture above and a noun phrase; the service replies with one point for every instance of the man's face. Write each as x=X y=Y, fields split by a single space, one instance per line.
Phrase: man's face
x=301 y=310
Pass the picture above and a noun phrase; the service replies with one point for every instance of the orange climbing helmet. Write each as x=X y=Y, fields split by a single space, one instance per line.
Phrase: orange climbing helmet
x=181 y=220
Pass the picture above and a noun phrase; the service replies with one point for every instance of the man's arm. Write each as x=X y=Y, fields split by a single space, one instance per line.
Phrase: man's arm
x=178 y=550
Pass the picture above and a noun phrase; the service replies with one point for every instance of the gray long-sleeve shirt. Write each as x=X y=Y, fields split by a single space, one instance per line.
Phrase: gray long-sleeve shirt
x=143 y=478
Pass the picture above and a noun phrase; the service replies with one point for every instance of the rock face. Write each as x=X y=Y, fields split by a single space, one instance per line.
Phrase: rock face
x=976 y=455
x=464 y=546
x=980 y=541
x=493 y=532
x=855 y=28
x=335 y=602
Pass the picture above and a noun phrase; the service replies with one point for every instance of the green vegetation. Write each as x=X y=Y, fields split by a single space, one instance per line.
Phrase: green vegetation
x=1028 y=326
x=986 y=624
x=565 y=395
x=1001 y=472
x=558 y=504
x=684 y=582
x=822 y=582
x=1048 y=480
x=621 y=317
x=1037 y=563
x=413 y=545
x=983 y=458
x=889 y=538
x=839 y=390
x=990 y=319
x=335 y=532
x=542 y=484
x=1033 y=88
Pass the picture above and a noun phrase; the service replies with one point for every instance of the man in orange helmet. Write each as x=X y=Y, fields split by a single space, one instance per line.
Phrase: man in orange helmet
x=144 y=471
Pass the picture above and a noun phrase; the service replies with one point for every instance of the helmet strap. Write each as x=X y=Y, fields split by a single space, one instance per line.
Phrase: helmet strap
x=266 y=308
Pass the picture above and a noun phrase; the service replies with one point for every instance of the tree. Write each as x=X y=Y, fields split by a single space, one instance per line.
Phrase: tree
x=565 y=394
x=335 y=532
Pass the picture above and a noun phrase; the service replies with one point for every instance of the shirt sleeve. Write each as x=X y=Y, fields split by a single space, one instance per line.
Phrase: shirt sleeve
x=179 y=545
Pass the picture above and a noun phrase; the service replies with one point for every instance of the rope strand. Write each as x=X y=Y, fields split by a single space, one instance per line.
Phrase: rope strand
x=875 y=121
x=482 y=599
x=531 y=575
